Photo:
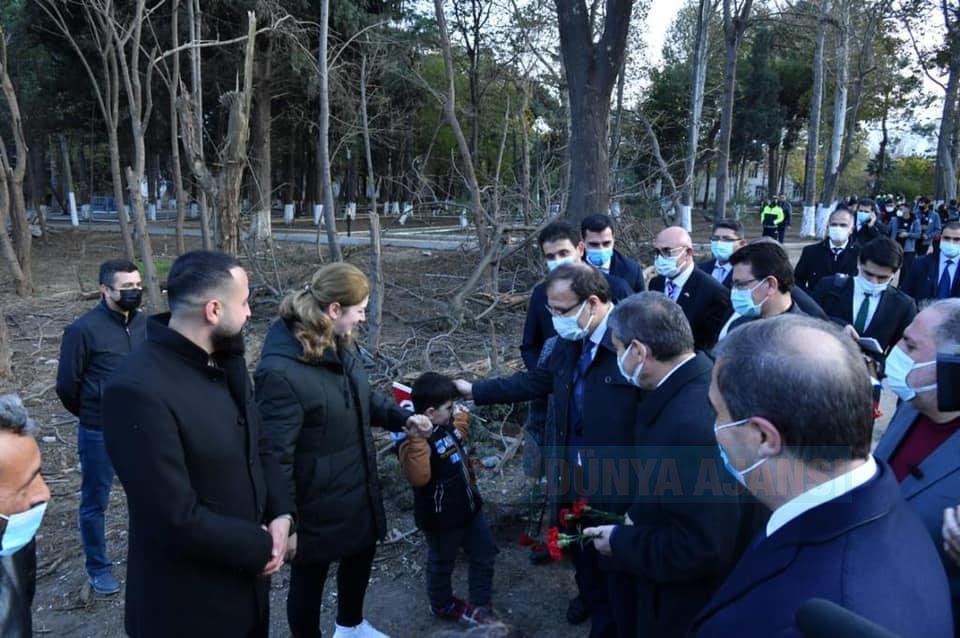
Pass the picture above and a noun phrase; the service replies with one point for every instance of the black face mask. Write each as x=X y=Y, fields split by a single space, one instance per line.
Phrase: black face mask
x=130 y=299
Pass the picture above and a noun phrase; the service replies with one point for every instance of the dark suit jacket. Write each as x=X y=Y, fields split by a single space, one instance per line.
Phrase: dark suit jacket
x=893 y=314
x=924 y=276
x=538 y=326
x=865 y=551
x=184 y=438
x=18 y=583
x=609 y=416
x=685 y=534
x=937 y=487
x=629 y=270
x=708 y=266
x=705 y=302
x=817 y=262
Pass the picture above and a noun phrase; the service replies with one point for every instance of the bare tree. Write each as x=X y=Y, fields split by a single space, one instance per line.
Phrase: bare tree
x=698 y=81
x=736 y=19
x=174 y=88
x=831 y=171
x=260 y=228
x=945 y=171
x=196 y=87
x=323 y=144
x=106 y=87
x=808 y=225
x=375 y=306
x=13 y=175
x=592 y=67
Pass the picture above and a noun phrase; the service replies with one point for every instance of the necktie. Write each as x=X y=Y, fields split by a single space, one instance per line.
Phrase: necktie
x=946 y=281
x=860 y=323
x=579 y=374
x=719 y=273
x=836 y=253
x=671 y=290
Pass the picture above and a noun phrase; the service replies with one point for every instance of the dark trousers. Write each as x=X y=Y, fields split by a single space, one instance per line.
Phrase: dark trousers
x=770 y=231
x=781 y=232
x=306 y=592
x=622 y=589
x=96 y=473
x=908 y=258
x=592 y=581
x=442 y=548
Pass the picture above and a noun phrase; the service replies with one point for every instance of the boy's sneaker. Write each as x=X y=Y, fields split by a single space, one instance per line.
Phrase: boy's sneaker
x=363 y=630
x=452 y=610
x=480 y=615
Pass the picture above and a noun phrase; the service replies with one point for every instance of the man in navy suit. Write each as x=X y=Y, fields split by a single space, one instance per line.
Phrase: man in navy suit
x=683 y=539
x=597 y=233
x=794 y=425
x=594 y=412
x=704 y=300
x=868 y=302
x=835 y=254
x=934 y=276
x=922 y=442
x=727 y=238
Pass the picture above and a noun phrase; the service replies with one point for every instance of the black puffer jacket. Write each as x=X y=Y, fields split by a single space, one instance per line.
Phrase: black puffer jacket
x=318 y=418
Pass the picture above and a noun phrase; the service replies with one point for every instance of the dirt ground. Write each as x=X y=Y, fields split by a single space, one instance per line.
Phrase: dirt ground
x=532 y=599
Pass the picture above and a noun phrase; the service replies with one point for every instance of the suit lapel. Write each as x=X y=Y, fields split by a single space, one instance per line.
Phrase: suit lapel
x=883 y=318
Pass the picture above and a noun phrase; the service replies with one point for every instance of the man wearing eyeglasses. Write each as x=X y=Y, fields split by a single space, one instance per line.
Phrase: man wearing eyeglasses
x=726 y=239
x=762 y=285
x=93 y=346
x=869 y=302
x=704 y=300
x=594 y=416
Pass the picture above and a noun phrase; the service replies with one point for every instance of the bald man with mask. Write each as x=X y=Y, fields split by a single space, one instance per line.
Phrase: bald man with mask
x=704 y=301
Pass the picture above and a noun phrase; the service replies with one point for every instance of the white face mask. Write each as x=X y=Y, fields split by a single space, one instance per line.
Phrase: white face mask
x=870 y=287
x=556 y=263
x=897 y=368
x=568 y=327
x=21 y=528
x=634 y=377
x=667 y=266
x=838 y=234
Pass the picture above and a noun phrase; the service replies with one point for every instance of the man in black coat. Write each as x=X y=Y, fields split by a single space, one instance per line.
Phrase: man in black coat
x=92 y=348
x=594 y=410
x=704 y=300
x=559 y=245
x=182 y=431
x=727 y=238
x=835 y=254
x=683 y=538
x=597 y=233
x=868 y=302
x=934 y=276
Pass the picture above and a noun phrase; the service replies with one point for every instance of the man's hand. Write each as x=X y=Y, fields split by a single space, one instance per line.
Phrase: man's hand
x=418 y=425
x=279 y=531
x=602 y=540
x=951 y=533
x=291 y=548
x=465 y=388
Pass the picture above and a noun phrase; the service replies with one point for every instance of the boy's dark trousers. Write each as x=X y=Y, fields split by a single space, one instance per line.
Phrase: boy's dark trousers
x=478 y=543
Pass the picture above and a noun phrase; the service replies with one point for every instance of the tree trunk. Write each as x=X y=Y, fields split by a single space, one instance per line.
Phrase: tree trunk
x=262 y=178
x=698 y=81
x=23 y=285
x=34 y=174
x=734 y=27
x=591 y=73
x=69 y=193
x=945 y=171
x=175 y=132
x=706 y=190
x=323 y=149
x=6 y=354
x=196 y=84
x=881 y=155
x=525 y=154
x=375 y=306
x=831 y=172
x=808 y=225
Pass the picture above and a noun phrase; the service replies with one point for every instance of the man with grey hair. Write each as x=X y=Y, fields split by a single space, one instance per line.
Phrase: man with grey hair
x=23 y=501
x=683 y=533
x=922 y=442
x=794 y=424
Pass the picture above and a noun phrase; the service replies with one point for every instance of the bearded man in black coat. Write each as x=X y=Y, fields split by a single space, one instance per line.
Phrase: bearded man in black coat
x=208 y=522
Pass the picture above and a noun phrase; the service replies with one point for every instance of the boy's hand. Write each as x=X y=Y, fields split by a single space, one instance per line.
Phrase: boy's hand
x=460 y=409
x=418 y=425
x=465 y=388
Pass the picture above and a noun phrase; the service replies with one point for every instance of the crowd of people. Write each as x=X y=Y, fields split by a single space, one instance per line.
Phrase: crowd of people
x=718 y=419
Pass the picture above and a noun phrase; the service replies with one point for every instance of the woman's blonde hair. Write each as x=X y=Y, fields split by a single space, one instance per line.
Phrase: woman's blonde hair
x=305 y=310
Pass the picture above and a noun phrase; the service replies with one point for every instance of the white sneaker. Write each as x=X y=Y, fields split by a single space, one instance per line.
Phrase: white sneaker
x=363 y=630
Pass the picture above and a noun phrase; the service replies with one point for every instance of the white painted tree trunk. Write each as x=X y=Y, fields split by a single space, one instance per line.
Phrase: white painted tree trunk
x=808 y=225
x=288 y=214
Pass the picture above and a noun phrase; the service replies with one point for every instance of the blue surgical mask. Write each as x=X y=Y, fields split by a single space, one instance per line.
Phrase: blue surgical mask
x=863 y=217
x=949 y=249
x=599 y=257
x=868 y=286
x=560 y=261
x=634 y=378
x=666 y=266
x=721 y=250
x=740 y=475
x=742 y=301
x=568 y=328
x=897 y=368
x=21 y=528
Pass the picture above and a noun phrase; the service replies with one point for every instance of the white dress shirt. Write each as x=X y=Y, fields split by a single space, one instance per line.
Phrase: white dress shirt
x=720 y=271
x=834 y=488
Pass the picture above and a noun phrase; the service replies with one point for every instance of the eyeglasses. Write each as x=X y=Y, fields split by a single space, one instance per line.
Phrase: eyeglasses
x=745 y=284
x=719 y=238
x=559 y=312
x=668 y=252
